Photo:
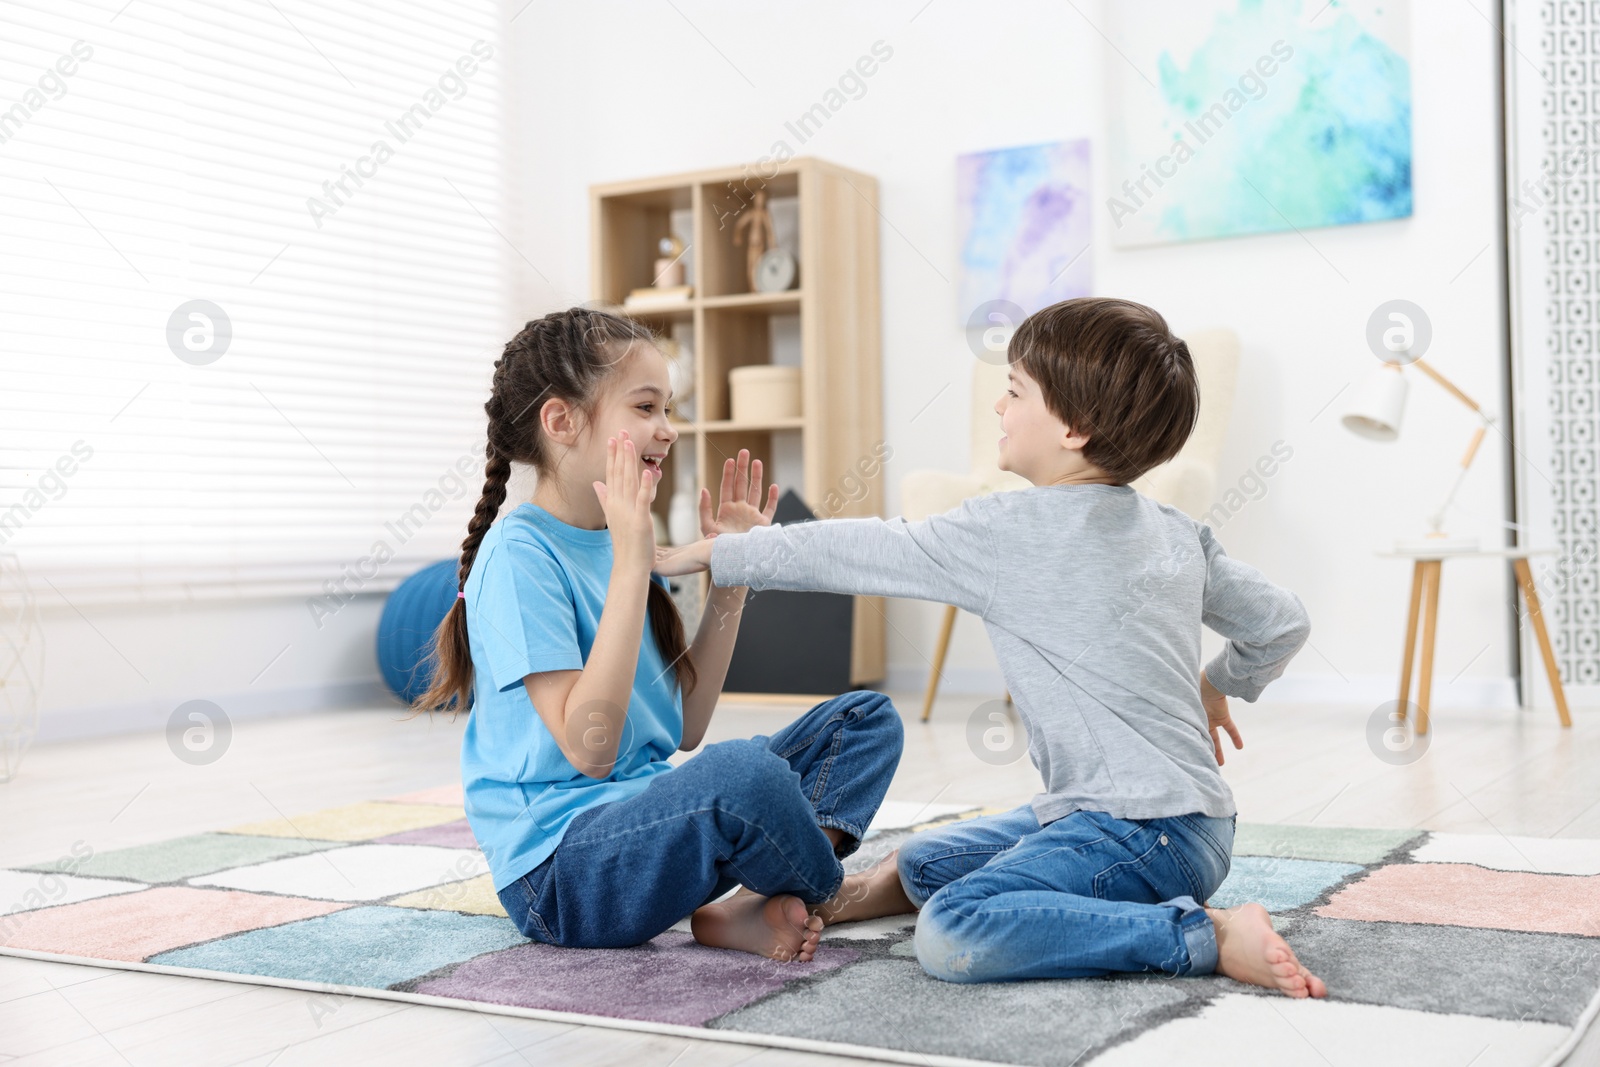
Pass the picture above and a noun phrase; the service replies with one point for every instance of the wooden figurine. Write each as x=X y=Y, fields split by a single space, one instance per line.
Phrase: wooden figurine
x=758 y=220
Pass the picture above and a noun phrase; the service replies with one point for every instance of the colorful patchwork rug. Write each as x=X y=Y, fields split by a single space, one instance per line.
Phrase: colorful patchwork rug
x=1436 y=947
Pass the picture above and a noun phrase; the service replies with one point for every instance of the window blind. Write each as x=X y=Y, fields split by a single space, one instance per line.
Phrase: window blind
x=251 y=288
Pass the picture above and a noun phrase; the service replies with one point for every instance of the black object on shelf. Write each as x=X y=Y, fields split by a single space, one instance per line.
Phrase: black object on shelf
x=793 y=642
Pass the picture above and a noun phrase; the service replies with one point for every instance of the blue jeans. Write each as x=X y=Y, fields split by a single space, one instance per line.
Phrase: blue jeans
x=1003 y=898
x=746 y=812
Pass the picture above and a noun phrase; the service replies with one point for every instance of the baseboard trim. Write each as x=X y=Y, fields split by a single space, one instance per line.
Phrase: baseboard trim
x=1367 y=690
x=1373 y=690
x=962 y=681
x=107 y=720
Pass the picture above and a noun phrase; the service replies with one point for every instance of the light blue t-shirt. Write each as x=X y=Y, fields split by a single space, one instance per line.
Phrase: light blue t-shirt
x=534 y=598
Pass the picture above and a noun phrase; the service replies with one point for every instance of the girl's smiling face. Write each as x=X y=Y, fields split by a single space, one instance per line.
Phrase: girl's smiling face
x=635 y=398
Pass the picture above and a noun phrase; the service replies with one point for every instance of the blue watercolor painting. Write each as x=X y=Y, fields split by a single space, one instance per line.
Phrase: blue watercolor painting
x=1023 y=226
x=1233 y=117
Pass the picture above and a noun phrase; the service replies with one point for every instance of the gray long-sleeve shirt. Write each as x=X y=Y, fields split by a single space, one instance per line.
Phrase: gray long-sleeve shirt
x=1093 y=596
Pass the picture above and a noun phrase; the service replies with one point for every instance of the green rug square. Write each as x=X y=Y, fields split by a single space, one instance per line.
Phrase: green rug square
x=187 y=857
x=1340 y=844
x=1279 y=884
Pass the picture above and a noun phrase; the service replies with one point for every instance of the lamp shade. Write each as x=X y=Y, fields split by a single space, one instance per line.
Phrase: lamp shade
x=1379 y=403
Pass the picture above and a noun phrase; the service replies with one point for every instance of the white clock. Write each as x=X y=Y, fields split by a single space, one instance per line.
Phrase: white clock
x=776 y=271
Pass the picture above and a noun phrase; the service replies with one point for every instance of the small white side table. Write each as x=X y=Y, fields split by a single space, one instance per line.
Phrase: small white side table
x=1427 y=568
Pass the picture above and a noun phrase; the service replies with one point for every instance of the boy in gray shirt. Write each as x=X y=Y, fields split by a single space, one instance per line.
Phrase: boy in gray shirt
x=1093 y=596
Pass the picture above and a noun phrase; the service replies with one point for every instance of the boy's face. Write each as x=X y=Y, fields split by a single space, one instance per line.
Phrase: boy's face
x=1034 y=443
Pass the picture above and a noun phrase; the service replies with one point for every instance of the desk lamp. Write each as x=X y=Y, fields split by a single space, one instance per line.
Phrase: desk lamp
x=1375 y=414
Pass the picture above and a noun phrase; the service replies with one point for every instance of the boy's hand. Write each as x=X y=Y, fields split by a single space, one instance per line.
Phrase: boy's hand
x=737 y=511
x=1217 y=717
x=683 y=559
x=739 y=507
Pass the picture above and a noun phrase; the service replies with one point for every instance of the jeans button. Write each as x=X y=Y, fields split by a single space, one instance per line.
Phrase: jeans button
x=1163 y=839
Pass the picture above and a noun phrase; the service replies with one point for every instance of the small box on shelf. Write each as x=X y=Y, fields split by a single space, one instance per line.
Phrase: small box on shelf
x=764 y=394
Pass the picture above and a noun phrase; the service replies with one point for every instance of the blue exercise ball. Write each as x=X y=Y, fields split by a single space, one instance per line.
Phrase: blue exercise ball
x=405 y=630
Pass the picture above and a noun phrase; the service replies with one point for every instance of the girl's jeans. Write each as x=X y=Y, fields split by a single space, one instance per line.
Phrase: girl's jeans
x=746 y=812
x=1004 y=898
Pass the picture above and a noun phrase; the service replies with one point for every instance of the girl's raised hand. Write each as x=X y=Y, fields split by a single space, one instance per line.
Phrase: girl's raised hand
x=626 y=495
x=739 y=507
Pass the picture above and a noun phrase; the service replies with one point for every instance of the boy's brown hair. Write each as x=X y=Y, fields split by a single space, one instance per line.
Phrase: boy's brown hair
x=1112 y=370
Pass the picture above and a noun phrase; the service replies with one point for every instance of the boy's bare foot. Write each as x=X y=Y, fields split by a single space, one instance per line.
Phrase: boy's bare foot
x=1250 y=950
x=776 y=927
x=870 y=894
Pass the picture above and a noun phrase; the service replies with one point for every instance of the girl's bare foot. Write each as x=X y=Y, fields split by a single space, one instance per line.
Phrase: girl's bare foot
x=776 y=927
x=871 y=894
x=1250 y=950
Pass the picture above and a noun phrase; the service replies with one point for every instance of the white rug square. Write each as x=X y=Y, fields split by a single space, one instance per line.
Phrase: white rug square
x=899 y=814
x=1250 y=1030
x=30 y=890
x=360 y=872
x=1543 y=855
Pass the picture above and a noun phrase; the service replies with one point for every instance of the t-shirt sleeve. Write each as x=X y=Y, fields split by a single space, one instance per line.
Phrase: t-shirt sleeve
x=525 y=616
x=1265 y=624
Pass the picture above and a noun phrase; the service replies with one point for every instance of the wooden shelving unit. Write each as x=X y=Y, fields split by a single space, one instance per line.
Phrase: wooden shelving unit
x=835 y=307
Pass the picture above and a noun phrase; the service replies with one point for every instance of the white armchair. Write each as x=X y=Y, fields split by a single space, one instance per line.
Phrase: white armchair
x=1187 y=481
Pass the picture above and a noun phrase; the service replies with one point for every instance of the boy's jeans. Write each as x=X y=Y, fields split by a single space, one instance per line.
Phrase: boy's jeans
x=1004 y=898
x=745 y=812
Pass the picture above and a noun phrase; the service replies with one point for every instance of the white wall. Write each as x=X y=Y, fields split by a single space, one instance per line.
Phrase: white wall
x=610 y=92
x=118 y=669
x=607 y=92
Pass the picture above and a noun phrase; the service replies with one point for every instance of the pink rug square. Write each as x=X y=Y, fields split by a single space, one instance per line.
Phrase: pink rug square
x=1460 y=894
x=448 y=795
x=135 y=926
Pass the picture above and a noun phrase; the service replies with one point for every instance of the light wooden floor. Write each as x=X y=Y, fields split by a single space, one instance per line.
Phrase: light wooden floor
x=1486 y=772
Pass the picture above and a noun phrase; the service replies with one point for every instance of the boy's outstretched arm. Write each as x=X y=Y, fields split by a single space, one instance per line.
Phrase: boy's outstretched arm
x=1265 y=624
x=946 y=558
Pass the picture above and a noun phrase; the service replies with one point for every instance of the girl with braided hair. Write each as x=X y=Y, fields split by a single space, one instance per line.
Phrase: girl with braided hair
x=581 y=683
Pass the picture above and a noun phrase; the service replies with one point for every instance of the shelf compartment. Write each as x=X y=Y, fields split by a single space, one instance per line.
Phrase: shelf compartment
x=628 y=227
x=778 y=449
x=724 y=265
x=734 y=336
